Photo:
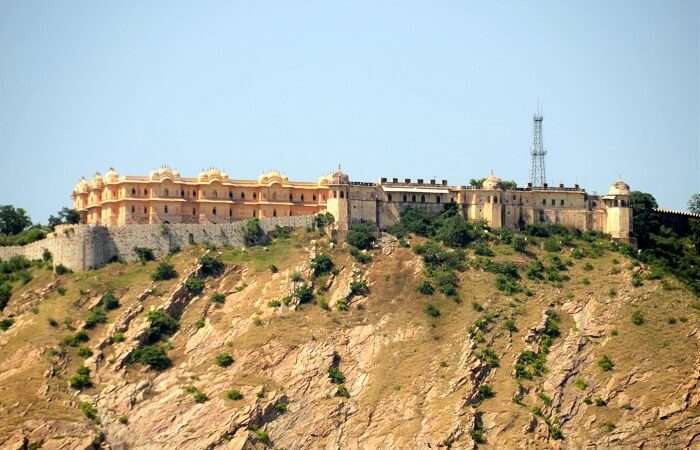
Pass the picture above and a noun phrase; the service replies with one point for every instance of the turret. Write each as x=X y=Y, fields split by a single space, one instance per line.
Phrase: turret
x=618 y=222
x=337 y=203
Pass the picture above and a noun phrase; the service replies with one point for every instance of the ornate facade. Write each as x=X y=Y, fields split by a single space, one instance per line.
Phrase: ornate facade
x=212 y=197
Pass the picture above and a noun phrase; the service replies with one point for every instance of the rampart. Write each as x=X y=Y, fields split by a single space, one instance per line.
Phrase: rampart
x=84 y=247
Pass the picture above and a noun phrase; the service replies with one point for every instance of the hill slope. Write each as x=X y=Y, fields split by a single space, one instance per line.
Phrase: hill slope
x=588 y=351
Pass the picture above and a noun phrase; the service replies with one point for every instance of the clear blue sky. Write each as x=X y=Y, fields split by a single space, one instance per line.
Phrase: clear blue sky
x=400 y=88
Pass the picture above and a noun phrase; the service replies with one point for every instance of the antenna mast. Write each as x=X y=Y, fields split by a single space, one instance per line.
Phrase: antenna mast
x=537 y=152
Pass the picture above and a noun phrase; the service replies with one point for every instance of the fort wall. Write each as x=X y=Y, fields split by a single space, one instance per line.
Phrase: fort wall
x=84 y=247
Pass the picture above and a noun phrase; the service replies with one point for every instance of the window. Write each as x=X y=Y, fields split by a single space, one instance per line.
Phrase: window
x=342 y=194
x=182 y=193
x=255 y=195
x=495 y=199
x=165 y=209
x=243 y=195
x=438 y=199
x=389 y=197
x=291 y=198
x=562 y=202
x=253 y=213
x=413 y=198
x=405 y=198
x=133 y=191
x=216 y=194
x=544 y=201
x=274 y=213
x=422 y=198
x=514 y=197
x=230 y=195
x=145 y=192
x=452 y=199
x=302 y=197
x=194 y=193
x=133 y=209
x=290 y=213
x=554 y=202
x=230 y=212
x=167 y=192
x=213 y=211
x=194 y=212
x=145 y=210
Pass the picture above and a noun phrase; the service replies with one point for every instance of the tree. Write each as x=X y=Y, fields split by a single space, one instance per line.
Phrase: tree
x=694 y=204
x=646 y=220
x=362 y=235
x=477 y=182
x=455 y=232
x=509 y=184
x=66 y=216
x=253 y=233
x=13 y=220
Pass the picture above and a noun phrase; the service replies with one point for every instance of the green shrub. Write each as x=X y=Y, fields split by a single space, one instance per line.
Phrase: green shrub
x=588 y=267
x=109 y=301
x=199 y=396
x=96 y=316
x=478 y=436
x=224 y=359
x=435 y=256
x=77 y=339
x=234 y=394
x=507 y=285
x=519 y=244
x=273 y=268
x=360 y=256
x=637 y=280
x=481 y=249
x=425 y=288
x=152 y=356
x=118 y=337
x=358 y=287
x=144 y=254
x=322 y=220
x=81 y=379
x=253 y=233
x=362 y=236
x=60 y=269
x=342 y=305
x=488 y=356
x=53 y=322
x=485 y=392
x=321 y=264
x=84 y=352
x=161 y=324
x=586 y=281
x=581 y=384
x=510 y=326
x=89 y=411
x=335 y=375
x=446 y=281
x=455 y=231
x=605 y=363
x=123 y=420
x=546 y=399
x=194 y=285
x=637 y=317
x=552 y=245
x=431 y=310
x=218 y=297
x=304 y=293
x=210 y=266
x=342 y=391
x=600 y=402
x=274 y=303
x=5 y=324
x=5 y=294
x=164 y=271
x=262 y=436
x=281 y=232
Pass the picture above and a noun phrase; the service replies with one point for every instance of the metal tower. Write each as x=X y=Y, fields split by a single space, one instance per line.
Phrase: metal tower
x=537 y=153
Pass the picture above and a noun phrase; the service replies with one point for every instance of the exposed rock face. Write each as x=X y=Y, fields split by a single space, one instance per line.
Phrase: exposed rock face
x=382 y=374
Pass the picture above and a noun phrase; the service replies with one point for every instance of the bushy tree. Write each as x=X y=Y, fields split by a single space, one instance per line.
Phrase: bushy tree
x=454 y=231
x=694 y=204
x=362 y=235
x=66 y=216
x=321 y=264
x=253 y=234
x=13 y=220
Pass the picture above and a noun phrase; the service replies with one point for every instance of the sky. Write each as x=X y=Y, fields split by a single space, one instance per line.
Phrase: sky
x=418 y=89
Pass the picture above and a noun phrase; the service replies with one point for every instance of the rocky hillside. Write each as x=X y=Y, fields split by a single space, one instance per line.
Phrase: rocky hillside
x=511 y=343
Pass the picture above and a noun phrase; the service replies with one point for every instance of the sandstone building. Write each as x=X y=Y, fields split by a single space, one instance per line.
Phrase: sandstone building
x=164 y=196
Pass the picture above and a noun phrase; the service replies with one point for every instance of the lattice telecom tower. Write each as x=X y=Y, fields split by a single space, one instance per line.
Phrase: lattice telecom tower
x=537 y=153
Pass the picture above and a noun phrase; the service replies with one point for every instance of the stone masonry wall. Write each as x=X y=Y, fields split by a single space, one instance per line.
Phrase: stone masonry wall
x=84 y=247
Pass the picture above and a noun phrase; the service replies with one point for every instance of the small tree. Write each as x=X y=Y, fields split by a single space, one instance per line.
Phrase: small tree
x=144 y=254
x=253 y=234
x=164 y=271
x=362 y=236
x=321 y=264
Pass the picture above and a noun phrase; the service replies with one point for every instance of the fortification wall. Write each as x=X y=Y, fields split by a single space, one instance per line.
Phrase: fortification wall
x=84 y=247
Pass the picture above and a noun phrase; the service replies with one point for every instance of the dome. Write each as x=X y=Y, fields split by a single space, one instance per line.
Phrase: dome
x=272 y=177
x=111 y=176
x=338 y=177
x=164 y=172
x=619 y=188
x=82 y=187
x=491 y=182
x=97 y=182
x=212 y=174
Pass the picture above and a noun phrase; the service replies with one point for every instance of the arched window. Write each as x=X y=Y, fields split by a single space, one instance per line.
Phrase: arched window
x=290 y=213
x=167 y=193
x=145 y=192
x=230 y=195
x=495 y=199
x=302 y=197
x=230 y=212
x=291 y=198
x=253 y=213
x=182 y=193
x=274 y=196
x=314 y=197
x=166 y=209
x=335 y=194
x=216 y=194
x=242 y=194
x=214 y=211
x=255 y=195
x=133 y=191
x=194 y=193
x=544 y=201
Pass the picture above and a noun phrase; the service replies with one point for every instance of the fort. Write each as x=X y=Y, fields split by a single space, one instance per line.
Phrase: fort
x=213 y=198
x=165 y=210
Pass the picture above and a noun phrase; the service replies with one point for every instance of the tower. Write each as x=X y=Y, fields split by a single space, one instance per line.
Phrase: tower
x=537 y=153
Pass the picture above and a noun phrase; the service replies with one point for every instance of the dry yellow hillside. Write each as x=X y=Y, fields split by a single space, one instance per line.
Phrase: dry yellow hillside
x=602 y=362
